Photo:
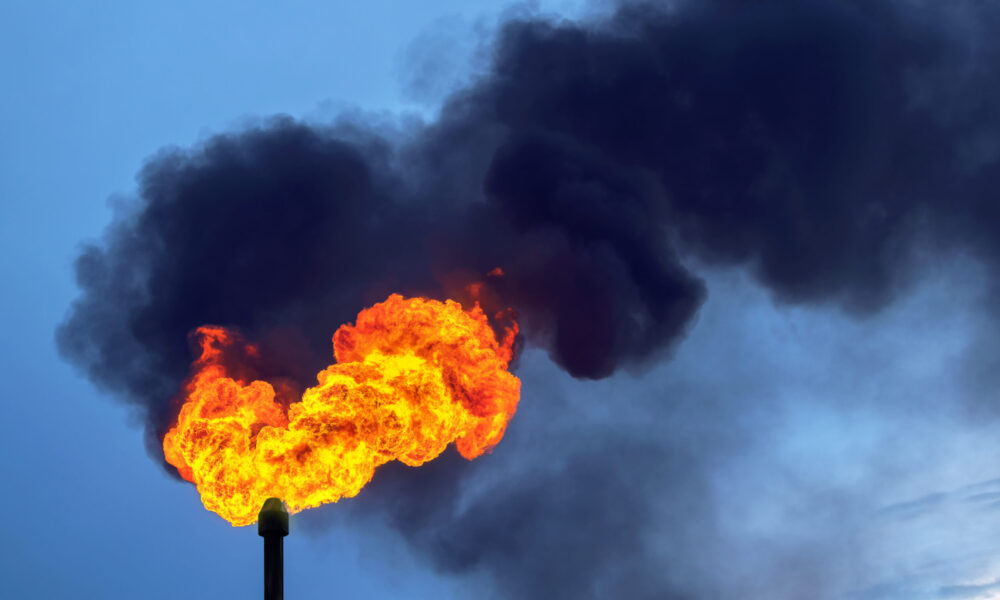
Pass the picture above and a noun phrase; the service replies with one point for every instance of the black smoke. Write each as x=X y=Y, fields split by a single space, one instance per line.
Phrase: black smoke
x=827 y=146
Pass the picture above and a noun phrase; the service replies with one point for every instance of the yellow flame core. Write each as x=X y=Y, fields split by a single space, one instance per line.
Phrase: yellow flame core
x=412 y=376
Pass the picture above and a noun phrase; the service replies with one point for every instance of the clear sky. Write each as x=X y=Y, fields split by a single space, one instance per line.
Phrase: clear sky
x=825 y=478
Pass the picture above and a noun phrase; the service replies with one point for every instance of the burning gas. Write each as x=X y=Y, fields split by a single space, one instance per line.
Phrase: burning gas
x=412 y=375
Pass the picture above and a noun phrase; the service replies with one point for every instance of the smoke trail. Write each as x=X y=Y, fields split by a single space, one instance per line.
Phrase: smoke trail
x=828 y=147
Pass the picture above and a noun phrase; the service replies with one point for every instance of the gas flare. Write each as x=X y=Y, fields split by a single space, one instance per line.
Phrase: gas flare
x=412 y=375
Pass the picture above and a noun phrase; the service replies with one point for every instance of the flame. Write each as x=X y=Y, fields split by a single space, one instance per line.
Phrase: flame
x=412 y=375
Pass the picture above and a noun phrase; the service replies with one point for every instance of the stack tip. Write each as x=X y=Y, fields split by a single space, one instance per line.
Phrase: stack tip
x=273 y=518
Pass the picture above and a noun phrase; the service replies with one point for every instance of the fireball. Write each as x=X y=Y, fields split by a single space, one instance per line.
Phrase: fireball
x=412 y=375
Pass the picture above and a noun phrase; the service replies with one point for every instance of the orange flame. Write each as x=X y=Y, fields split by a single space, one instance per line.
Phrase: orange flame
x=412 y=375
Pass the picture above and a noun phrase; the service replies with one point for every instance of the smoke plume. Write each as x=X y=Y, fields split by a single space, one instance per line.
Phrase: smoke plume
x=826 y=146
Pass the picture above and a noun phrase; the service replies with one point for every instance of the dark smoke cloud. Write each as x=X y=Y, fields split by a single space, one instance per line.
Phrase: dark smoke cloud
x=827 y=146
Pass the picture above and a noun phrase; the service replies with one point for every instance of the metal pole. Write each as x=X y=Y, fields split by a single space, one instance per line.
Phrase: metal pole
x=272 y=525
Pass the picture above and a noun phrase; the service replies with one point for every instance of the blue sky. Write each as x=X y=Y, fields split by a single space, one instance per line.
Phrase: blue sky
x=859 y=458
